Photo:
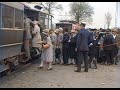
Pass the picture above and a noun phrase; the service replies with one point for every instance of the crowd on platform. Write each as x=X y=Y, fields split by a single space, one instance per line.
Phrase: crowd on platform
x=80 y=46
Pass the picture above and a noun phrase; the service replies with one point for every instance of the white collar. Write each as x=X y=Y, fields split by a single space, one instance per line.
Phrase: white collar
x=114 y=36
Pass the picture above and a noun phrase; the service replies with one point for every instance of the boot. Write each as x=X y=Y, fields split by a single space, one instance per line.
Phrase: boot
x=95 y=64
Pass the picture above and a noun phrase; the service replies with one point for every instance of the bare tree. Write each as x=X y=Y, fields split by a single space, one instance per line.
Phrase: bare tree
x=51 y=6
x=81 y=11
x=108 y=19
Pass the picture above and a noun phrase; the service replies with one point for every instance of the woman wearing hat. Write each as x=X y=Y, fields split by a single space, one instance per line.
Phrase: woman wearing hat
x=47 y=54
x=36 y=41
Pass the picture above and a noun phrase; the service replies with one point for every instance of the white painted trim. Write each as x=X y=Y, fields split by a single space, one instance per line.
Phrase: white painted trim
x=11 y=29
x=10 y=45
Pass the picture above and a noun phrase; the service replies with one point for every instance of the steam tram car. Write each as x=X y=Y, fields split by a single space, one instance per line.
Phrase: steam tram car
x=11 y=33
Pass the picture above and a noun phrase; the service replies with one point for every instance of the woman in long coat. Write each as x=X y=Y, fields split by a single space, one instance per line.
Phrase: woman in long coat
x=72 y=46
x=47 y=54
x=36 y=41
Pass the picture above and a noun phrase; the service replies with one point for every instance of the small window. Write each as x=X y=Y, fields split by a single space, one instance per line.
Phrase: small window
x=18 y=19
x=7 y=16
x=42 y=21
x=49 y=24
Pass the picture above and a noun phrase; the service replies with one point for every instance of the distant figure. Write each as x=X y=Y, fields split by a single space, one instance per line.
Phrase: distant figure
x=72 y=46
x=117 y=45
x=108 y=47
x=27 y=38
x=58 y=51
x=59 y=41
x=82 y=45
x=65 y=46
x=53 y=38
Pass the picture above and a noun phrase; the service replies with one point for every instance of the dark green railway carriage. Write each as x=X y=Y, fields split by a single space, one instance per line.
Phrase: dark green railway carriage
x=11 y=30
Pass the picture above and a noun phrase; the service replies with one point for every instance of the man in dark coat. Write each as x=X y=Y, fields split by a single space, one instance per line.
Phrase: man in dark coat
x=65 y=46
x=72 y=46
x=82 y=45
x=108 y=47
x=117 y=45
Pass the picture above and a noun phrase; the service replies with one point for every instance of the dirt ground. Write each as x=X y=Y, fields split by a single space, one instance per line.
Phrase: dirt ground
x=62 y=77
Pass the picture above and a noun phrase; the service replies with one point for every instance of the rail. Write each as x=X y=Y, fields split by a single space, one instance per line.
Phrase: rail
x=10 y=45
x=11 y=29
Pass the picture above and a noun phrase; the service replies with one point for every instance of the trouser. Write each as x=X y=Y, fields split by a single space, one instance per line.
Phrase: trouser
x=54 y=61
x=27 y=49
x=117 y=57
x=82 y=56
x=92 y=59
x=109 y=56
x=38 y=51
x=65 y=55
x=61 y=55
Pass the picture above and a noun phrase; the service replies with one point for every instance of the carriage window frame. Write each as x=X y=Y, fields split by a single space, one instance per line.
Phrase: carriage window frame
x=10 y=18
x=22 y=21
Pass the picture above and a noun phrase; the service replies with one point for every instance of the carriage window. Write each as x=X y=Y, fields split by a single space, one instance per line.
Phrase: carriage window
x=18 y=19
x=7 y=16
x=50 y=23
x=42 y=21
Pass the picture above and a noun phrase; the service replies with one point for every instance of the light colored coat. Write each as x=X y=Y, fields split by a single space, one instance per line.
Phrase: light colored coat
x=27 y=29
x=36 y=41
x=59 y=40
x=47 y=54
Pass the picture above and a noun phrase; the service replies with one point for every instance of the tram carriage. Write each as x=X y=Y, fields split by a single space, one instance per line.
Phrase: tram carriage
x=66 y=23
x=12 y=31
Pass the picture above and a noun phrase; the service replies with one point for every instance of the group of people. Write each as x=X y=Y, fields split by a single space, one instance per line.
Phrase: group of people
x=77 y=46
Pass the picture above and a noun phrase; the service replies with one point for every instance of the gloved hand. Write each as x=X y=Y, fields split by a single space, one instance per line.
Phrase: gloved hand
x=90 y=44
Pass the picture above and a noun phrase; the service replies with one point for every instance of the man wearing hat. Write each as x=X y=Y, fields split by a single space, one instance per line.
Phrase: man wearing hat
x=108 y=46
x=117 y=45
x=82 y=45
x=27 y=37
x=72 y=45
x=65 y=46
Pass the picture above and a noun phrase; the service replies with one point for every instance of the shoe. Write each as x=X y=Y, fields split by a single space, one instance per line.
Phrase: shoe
x=54 y=64
x=109 y=64
x=77 y=71
x=94 y=67
x=67 y=63
x=85 y=70
x=61 y=63
x=82 y=67
x=75 y=65
x=49 y=68
x=41 y=67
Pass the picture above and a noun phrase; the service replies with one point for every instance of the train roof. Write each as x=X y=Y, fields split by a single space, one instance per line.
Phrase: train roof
x=71 y=21
x=17 y=5
x=34 y=7
x=63 y=23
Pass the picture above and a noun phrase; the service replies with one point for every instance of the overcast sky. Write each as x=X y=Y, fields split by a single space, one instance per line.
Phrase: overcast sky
x=100 y=8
